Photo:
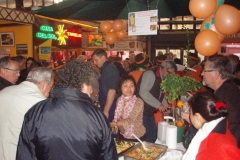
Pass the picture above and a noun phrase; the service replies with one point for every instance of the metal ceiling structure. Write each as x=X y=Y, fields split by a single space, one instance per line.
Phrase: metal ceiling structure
x=91 y=10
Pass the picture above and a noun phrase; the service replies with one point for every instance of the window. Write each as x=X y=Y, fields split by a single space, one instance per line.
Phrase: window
x=165 y=27
x=11 y=4
x=27 y=3
x=3 y=3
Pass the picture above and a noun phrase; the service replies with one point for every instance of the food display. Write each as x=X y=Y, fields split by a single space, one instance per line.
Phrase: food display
x=154 y=151
x=122 y=145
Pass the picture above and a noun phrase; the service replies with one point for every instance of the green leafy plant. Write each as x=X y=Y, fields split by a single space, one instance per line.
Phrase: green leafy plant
x=177 y=86
x=188 y=45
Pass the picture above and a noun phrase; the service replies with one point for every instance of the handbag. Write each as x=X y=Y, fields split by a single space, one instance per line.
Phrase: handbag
x=187 y=138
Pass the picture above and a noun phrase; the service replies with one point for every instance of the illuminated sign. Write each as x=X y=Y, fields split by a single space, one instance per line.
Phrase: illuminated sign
x=47 y=32
x=61 y=35
x=46 y=28
x=46 y=35
x=72 y=34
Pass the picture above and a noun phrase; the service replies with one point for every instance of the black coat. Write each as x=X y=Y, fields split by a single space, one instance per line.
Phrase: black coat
x=4 y=83
x=229 y=93
x=66 y=126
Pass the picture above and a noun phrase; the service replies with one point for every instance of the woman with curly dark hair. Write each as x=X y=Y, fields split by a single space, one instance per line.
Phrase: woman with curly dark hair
x=67 y=125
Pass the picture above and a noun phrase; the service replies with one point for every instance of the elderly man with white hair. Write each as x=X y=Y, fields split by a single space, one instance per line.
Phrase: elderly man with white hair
x=15 y=101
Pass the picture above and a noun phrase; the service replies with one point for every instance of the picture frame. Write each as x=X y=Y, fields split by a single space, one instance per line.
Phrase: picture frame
x=95 y=40
x=7 y=39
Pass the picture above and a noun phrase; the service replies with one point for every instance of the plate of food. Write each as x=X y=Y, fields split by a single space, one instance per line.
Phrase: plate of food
x=154 y=151
x=122 y=145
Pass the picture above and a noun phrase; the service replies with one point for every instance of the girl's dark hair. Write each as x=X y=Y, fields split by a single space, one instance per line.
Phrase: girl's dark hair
x=30 y=59
x=124 y=79
x=204 y=103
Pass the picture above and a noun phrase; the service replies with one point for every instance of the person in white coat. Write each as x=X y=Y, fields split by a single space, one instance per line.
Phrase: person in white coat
x=15 y=102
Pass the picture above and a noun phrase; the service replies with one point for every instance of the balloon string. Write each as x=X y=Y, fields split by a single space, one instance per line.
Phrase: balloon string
x=157 y=4
x=127 y=5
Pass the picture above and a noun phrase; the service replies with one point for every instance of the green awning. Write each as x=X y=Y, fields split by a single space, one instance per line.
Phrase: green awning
x=113 y=9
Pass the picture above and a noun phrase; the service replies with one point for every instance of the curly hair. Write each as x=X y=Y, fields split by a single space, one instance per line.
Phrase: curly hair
x=74 y=74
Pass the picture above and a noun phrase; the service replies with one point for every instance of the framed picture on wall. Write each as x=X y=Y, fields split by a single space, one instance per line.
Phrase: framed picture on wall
x=7 y=39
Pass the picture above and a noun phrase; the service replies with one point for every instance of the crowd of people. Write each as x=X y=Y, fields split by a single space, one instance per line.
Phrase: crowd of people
x=76 y=109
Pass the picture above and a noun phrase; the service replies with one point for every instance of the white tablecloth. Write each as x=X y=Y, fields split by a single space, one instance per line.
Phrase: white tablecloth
x=171 y=154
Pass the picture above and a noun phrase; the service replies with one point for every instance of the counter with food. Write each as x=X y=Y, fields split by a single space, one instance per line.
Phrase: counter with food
x=156 y=151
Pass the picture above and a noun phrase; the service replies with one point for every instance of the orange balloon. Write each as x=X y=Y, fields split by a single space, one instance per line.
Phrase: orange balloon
x=207 y=24
x=227 y=19
x=110 y=38
x=239 y=14
x=207 y=43
x=202 y=8
x=124 y=24
x=118 y=25
x=105 y=26
x=121 y=34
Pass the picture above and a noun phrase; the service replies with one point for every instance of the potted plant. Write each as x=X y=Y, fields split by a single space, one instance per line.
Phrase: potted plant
x=176 y=86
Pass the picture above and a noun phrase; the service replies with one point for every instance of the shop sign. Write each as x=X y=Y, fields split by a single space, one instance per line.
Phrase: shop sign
x=47 y=32
x=236 y=35
x=45 y=52
x=46 y=35
x=21 y=49
x=126 y=46
x=71 y=34
x=46 y=28
x=232 y=38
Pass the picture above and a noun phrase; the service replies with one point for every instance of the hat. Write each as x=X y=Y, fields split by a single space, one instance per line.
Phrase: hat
x=141 y=59
x=193 y=56
x=161 y=58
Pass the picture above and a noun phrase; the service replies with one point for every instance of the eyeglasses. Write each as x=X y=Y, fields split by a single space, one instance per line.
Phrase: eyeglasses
x=14 y=71
x=210 y=70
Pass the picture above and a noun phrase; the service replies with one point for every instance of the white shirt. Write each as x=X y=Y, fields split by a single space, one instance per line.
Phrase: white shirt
x=15 y=101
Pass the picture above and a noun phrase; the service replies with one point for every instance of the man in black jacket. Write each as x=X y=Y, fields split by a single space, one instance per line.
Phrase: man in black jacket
x=217 y=74
x=67 y=125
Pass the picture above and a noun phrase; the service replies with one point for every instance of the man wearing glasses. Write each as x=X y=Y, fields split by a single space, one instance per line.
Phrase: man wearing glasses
x=15 y=101
x=217 y=74
x=9 y=72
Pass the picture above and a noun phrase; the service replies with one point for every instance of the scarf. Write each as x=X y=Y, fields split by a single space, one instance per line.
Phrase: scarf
x=122 y=111
x=202 y=133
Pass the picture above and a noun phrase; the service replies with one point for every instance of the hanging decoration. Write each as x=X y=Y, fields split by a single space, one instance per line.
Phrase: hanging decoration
x=202 y=8
x=61 y=35
x=110 y=37
x=219 y=20
x=207 y=43
x=105 y=26
x=227 y=19
x=113 y=31
x=208 y=23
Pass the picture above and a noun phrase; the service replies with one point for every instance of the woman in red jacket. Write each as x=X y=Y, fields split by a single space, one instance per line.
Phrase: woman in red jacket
x=213 y=139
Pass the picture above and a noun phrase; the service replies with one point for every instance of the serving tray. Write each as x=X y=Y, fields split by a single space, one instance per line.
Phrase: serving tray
x=156 y=151
x=122 y=146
